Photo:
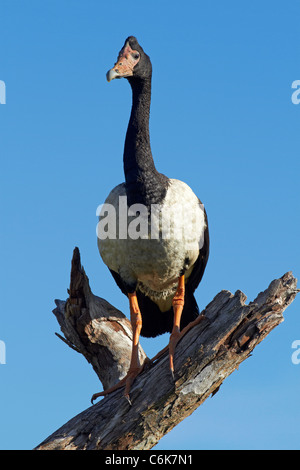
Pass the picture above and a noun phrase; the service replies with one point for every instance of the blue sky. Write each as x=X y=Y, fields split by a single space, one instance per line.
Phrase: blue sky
x=222 y=120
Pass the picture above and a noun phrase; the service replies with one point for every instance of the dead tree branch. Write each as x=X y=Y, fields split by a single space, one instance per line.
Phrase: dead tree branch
x=205 y=356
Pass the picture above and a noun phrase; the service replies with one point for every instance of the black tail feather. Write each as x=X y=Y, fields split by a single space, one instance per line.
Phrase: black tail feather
x=155 y=322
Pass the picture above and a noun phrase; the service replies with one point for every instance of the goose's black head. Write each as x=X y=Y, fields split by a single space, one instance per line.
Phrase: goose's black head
x=132 y=63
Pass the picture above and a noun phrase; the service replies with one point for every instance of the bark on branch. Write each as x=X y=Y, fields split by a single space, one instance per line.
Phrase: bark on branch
x=204 y=357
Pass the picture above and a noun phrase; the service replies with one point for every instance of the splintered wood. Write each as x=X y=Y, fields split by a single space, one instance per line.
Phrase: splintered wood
x=204 y=357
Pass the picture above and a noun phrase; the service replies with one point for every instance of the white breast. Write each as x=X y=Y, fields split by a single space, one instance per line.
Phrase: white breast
x=151 y=246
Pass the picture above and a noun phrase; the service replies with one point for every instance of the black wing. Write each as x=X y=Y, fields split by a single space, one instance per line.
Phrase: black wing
x=201 y=262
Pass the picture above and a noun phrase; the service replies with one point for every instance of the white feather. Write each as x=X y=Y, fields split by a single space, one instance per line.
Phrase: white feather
x=168 y=235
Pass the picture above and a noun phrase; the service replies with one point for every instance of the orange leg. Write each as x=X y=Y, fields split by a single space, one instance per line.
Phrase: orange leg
x=176 y=335
x=135 y=368
x=178 y=303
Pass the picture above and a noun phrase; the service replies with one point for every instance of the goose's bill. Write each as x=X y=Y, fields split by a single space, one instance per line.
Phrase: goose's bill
x=111 y=74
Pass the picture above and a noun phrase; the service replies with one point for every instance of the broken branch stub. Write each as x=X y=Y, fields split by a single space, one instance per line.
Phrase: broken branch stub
x=96 y=329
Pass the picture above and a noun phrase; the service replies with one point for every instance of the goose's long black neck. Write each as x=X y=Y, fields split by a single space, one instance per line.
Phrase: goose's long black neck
x=144 y=184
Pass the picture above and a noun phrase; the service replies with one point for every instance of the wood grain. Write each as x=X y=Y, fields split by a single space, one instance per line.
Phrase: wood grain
x=204 y=357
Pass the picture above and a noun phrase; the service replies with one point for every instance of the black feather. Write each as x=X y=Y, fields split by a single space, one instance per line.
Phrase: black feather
x=155 y=322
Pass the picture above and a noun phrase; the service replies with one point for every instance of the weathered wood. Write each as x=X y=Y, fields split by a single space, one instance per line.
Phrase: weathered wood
x=204 y=357
x=96 y=329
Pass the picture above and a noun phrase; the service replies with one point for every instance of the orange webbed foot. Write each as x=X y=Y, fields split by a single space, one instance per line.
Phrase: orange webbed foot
x=127 y=381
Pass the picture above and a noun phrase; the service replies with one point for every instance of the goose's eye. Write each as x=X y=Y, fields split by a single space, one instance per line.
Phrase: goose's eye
x=136 y=55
